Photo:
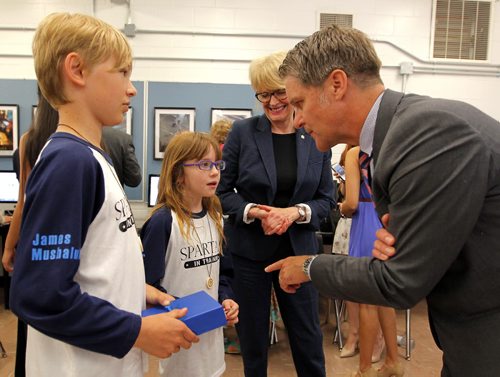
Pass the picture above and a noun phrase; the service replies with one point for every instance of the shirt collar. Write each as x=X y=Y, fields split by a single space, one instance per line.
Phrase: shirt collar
x=368 y=129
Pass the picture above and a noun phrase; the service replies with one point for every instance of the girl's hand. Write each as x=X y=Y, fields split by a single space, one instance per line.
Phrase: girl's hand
x=231 y=309
x=156 y=297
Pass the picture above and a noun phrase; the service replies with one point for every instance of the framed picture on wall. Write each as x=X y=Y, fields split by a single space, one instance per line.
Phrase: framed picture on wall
x=9 y=128
x=230 y=114
x=126 y=124
x=169 y=121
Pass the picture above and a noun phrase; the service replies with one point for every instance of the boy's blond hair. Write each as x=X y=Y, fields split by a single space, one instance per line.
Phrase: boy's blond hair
x=62 y=33
x=263 y=72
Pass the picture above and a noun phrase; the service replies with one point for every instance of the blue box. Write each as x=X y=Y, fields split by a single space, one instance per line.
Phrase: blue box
x=204 y=313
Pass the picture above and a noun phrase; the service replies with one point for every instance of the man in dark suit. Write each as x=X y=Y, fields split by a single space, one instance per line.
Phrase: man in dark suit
x=121 y=149
x=435 y=169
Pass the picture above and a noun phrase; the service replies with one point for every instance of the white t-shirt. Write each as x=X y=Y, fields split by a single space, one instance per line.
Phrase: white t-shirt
x=185 y=267
x=80 y=277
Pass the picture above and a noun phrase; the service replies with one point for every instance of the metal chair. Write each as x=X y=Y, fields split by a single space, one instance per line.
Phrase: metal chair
x=339 y=315
x=406 y=340
x=273 y=333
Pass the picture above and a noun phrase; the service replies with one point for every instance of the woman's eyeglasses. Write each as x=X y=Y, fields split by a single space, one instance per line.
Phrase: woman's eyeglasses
x=265 y=97
x=207 y=164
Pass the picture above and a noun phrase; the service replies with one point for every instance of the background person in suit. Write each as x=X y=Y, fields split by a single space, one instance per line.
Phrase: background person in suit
x=121 y=149
x=436 y=171
x=276 y=188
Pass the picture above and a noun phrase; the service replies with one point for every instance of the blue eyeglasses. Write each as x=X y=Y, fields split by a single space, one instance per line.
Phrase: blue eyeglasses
x=207 y=164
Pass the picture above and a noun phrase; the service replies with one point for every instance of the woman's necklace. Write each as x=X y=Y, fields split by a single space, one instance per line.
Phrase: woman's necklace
x=210 y=281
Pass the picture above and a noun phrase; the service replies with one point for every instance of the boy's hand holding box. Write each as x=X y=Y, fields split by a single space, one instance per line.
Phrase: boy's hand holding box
x=204 y=313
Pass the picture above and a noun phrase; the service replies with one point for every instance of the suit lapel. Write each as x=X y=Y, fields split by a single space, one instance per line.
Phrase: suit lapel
x=388 y=106
x=264 y=142
x=303 y=145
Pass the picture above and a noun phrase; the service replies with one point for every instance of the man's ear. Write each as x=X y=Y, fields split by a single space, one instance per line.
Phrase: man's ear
x=337 y=83
x=73 y=68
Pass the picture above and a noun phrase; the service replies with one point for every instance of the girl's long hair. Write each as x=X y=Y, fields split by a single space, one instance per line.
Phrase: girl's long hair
x=182 y=147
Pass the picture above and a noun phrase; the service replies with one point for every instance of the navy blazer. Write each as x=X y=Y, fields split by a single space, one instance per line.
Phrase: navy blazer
x=250 y=177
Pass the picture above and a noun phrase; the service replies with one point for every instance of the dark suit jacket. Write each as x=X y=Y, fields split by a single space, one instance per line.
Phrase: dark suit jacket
x=251 y=170
x=437 y=172
x=121 y=149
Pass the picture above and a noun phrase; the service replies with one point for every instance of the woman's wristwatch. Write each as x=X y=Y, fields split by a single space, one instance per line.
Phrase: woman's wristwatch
x=302 y=213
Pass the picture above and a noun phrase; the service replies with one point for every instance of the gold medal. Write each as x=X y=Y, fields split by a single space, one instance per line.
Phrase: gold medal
x=210 y=282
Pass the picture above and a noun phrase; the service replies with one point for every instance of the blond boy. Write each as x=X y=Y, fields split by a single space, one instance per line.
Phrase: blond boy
x=79 y=277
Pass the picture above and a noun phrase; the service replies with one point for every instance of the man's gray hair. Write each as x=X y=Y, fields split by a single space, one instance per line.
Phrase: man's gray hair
x=334 y=47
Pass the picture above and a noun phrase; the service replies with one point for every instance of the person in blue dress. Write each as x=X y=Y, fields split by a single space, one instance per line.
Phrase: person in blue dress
x=359 y=205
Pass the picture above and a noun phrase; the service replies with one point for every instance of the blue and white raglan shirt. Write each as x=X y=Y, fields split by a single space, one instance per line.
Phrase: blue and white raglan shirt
x=79 y=276
x=182 y=267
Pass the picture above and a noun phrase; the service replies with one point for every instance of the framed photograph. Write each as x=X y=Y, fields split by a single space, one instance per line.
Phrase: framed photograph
x=230 y=114
x=126 y=124
x=169 y=121
x=9 y=128
x=154 y=179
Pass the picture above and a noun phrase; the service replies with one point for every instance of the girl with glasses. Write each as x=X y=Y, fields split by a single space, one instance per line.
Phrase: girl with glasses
x=182 y=242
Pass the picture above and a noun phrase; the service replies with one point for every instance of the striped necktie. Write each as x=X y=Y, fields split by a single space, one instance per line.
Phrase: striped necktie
x=364 y=163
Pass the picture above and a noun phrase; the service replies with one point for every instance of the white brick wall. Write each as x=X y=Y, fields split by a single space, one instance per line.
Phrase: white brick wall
x=224 y=58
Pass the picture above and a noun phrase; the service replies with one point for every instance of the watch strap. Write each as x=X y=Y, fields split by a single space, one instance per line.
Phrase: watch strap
x=306 y=267
x=302 y=213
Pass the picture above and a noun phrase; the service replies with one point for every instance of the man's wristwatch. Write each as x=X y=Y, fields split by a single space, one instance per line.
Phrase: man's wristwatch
x=302 y=212
x=307 y=266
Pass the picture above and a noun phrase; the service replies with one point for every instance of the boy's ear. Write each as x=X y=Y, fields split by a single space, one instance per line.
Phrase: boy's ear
x=73 y=68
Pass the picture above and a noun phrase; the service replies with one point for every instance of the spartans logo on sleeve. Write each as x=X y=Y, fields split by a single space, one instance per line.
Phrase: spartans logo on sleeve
x=124 y=215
